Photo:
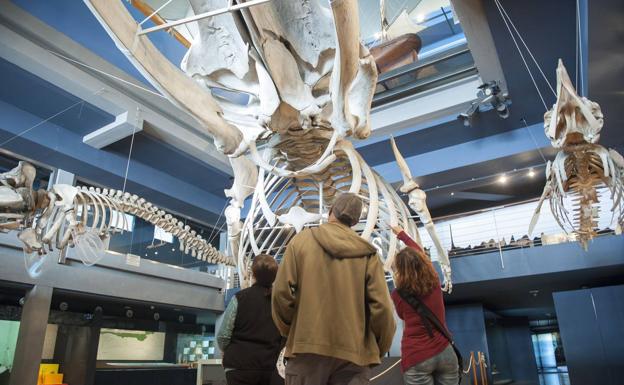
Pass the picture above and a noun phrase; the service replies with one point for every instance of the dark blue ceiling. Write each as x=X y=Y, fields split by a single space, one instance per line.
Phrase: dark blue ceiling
x=40 y=98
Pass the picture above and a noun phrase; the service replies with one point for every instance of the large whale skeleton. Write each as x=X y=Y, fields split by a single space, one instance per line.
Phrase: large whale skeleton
x=306 y=85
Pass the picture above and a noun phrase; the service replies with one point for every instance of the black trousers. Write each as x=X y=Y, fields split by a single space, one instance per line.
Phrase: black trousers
x=253 y=377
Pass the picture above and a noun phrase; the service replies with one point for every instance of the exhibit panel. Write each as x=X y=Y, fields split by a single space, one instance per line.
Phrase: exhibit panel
x=154 y=152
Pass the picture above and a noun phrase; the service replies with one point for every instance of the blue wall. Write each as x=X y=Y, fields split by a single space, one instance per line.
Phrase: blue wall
x=467 y=325
x=591 y=324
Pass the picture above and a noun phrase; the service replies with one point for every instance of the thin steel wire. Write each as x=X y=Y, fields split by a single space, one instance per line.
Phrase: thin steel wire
x=40 y=123
x=538 y=148
x=105 y=73
x=526 y=65
x=155 y=12
x=526 y=47
x=129 y=155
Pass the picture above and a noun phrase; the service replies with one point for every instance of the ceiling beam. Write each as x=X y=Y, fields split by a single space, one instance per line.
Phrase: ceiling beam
x=473 y=21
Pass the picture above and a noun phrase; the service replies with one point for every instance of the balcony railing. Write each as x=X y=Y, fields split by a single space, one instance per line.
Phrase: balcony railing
x=506 y=227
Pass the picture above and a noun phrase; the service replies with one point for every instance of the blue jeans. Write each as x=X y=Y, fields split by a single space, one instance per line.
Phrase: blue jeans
x=441 y=369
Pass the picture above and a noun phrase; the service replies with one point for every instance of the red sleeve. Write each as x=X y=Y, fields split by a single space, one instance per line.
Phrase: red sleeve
x=409 y=242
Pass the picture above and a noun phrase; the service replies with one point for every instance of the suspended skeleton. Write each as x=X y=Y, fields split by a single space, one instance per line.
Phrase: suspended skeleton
x=582 y=168
x=82 y=217
x=307 y=85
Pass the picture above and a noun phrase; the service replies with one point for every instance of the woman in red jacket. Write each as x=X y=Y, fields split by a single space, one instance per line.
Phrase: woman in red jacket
x=426 y=359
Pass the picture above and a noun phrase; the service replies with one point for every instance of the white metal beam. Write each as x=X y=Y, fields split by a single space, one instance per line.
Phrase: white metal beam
x=126 y=124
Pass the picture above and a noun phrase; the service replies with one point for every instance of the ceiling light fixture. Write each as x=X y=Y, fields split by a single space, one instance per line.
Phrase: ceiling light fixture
x=420 y=18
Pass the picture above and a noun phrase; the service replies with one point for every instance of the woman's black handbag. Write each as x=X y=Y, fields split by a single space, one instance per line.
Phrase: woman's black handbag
x=429 y=319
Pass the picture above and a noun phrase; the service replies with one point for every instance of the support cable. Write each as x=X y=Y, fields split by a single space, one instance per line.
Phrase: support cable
x=105 y=73
x=521 y=54
x=155 y=12
x=40 y=123
x=501 y=8
x=130 y=153
x=538 y=148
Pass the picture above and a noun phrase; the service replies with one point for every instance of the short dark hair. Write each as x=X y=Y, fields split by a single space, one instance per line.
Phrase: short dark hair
x=264 y=269
x=347 y=208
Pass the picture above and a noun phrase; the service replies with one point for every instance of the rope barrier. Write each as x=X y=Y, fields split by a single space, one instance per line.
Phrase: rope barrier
x=386 y=371
x=469 y=365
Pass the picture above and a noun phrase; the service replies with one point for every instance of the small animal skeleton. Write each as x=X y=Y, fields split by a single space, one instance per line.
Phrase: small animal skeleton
x=582 y=168
x=307 y=83
x=82 y=217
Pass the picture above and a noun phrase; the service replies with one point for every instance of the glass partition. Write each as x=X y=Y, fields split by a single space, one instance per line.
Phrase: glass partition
x=551 y=363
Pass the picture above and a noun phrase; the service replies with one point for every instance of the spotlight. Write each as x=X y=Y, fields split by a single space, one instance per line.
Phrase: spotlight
x=531 y=173
x=465 y=119
x=420 y=18
x=489 y=97
x=452 y=193
x=502 y=179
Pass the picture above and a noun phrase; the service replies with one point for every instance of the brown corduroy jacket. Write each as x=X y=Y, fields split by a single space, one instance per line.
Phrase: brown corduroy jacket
x=330 y=297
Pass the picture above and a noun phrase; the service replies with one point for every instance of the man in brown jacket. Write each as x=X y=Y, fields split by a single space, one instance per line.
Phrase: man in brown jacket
x=331 y=300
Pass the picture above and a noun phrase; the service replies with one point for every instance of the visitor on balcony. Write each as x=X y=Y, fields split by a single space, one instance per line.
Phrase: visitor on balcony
x=427 y=354
x=248 y=338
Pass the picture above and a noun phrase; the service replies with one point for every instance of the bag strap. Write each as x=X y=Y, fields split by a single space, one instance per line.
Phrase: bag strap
x=426 y=314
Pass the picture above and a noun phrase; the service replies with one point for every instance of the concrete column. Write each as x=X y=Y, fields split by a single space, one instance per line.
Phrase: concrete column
x=31 y=336
x=76 y=351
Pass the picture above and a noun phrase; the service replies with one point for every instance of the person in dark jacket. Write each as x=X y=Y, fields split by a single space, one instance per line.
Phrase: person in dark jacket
x=332 y=302
x=425 y=359
x=248 y=338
